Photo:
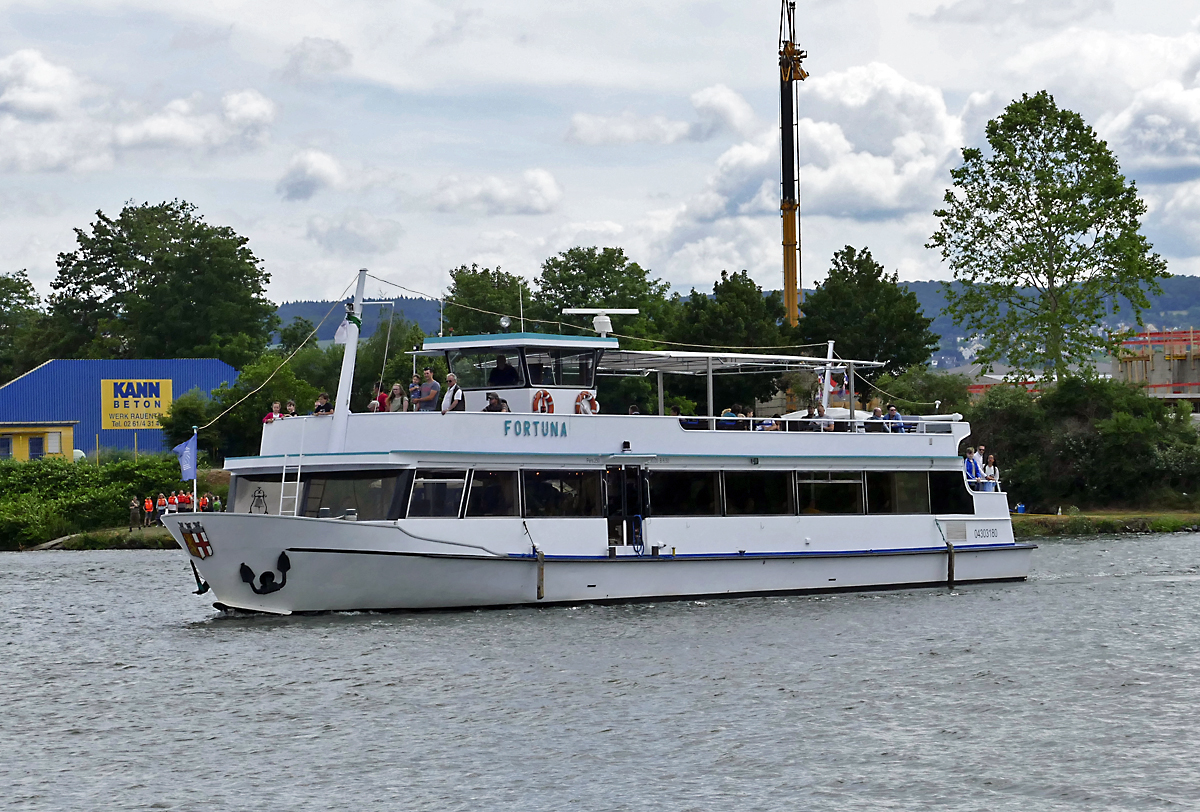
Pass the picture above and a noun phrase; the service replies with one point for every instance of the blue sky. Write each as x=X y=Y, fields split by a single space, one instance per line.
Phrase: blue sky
x=411 y=137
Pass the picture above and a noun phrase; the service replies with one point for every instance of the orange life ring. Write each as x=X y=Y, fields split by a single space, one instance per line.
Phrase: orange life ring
x=542 y=402
x=586 y=403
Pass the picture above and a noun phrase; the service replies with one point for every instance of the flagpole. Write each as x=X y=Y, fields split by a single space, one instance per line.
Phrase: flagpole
x=196 y=470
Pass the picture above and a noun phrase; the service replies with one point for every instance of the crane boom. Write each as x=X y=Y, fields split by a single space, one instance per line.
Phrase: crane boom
x=790 y=71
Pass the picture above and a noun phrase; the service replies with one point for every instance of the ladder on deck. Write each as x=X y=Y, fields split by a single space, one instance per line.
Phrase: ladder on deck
x=289 y=501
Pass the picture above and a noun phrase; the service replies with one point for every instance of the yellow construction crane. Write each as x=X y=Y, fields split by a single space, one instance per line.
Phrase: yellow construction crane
x=790 y=72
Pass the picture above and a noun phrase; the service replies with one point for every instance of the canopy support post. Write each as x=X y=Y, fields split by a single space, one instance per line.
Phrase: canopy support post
x=711 y=413
x=661 y=408
x=850 y=376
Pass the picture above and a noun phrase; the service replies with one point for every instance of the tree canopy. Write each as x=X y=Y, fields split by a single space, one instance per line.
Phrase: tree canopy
x=18 y=314
x=158 y=282
x=1043 y=233
x=869 y=315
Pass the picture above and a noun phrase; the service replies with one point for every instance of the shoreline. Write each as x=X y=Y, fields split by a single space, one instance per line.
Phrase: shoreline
x=1036 y=525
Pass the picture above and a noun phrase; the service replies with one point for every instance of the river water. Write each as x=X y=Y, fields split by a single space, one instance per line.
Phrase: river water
x=1079 y=689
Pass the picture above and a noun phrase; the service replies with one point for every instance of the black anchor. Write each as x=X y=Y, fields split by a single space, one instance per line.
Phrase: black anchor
x=267 y=579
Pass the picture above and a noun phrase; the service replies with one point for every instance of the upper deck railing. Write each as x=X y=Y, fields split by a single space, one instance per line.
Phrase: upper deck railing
x=911 y=425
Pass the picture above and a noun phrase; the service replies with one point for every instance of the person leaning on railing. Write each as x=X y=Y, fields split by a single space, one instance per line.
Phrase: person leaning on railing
x=991 y=474
x=974 y=475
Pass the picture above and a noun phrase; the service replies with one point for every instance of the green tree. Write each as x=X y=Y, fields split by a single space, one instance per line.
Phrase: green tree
x=159 y=282
x=293 y=334
x=921 y=390
x=605 y=277
x=239 y=432
x=19 y=314
x=737 y=314
x=869 y=315
x=1043 y=234
x=475 y=290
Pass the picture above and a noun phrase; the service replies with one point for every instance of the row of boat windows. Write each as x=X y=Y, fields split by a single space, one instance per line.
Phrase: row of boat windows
x=472 y=493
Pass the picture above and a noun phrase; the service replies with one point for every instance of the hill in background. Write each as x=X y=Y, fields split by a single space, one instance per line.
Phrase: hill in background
x=1178 y=307
x=423 y=311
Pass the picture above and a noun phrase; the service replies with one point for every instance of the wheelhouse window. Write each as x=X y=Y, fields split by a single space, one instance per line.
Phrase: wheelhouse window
x=559 y=367
x=334 y=495
x=684 y=493
x=562 y=493
x=948 y=493
x=758 y=493
x=897 y=491
x=497 y=368
x=830 y=491
x=493 y=493
x=258 y=494
x=436 y=493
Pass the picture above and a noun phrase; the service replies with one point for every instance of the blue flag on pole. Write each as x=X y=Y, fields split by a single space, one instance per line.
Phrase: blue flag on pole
x=187 y=458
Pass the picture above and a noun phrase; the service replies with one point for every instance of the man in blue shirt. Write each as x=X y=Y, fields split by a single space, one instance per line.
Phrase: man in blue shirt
x=892 y=414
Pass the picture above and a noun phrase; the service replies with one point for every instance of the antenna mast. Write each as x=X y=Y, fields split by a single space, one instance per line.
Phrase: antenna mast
x=790 y=72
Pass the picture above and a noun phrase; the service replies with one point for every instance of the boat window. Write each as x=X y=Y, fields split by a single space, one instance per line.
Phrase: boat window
x=829 y=491
x=562 y=493
x=897 y=492
x=369 y=494
x=554 y=367
x=477 y=368
x=260 y=494
x=948 y=492
x=493 y=493
x=684 y=493
x=758 y=493
x=436 y=493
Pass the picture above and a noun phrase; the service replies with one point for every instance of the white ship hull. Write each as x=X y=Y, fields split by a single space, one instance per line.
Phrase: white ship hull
x=341 y=566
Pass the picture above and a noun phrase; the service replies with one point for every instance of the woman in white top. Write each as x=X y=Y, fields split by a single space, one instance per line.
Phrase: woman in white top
x=991 y=474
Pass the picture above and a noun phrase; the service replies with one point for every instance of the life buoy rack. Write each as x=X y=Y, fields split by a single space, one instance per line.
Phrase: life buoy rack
x=586 y=403
x=542 y=402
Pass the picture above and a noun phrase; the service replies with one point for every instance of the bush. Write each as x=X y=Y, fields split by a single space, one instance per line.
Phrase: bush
x=52 y=497
x=1088 y=441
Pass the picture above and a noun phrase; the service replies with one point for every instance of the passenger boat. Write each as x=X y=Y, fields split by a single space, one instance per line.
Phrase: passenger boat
x=552 y=503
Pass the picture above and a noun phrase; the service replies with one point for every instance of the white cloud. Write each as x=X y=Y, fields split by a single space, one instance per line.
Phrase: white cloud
x=315 y=57
x=244 y=117
x=1037 y=13
x=309 y=172
x=53 y=120
x=33 y=88
x=718 y=109
x=355 y=232
x=534 y=192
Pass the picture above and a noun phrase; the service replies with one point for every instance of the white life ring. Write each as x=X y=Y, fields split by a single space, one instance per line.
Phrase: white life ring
x=542 y=402
x=586 y=403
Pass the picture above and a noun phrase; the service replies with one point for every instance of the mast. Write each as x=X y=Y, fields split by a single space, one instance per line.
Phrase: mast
x=341 y=403
x=790 y=72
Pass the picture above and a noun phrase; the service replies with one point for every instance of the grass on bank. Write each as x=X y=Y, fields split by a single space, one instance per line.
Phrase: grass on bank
x=1103 y=522
x=121 y=538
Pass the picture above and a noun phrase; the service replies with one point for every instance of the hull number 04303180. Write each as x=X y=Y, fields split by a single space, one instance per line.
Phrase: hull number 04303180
x=987 y=532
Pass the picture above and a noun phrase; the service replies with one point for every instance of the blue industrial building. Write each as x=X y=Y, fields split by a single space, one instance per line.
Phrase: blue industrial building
x=111 y=402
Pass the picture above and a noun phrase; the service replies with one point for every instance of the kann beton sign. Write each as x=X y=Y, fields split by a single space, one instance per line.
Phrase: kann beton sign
x=135 y=404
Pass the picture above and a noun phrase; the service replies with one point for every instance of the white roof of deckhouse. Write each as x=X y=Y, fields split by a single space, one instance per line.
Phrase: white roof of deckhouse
x=436 y=345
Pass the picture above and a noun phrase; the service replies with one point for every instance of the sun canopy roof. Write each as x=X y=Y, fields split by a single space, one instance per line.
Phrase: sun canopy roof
x=638 y=362
x=642 y=362
x=436 y=345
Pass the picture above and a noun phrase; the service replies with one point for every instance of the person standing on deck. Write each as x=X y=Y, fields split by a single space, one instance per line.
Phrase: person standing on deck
x=427 y=401
x=453 y=400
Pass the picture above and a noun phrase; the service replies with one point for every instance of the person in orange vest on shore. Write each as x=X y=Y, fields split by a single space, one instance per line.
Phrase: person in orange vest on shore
x=204 y=503
x=148 y=514
x=172 y=503
x=160 y=507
